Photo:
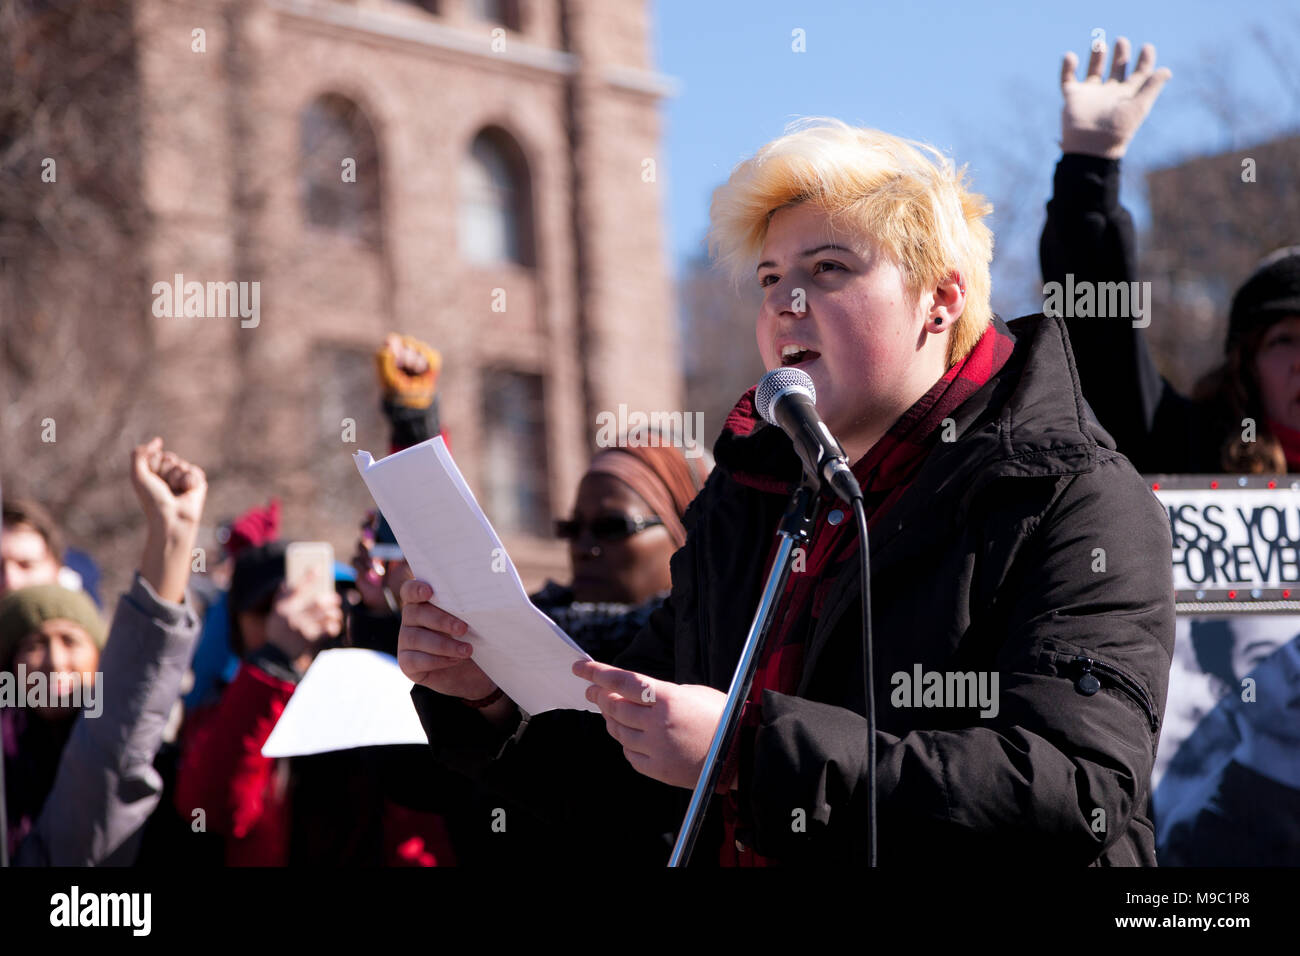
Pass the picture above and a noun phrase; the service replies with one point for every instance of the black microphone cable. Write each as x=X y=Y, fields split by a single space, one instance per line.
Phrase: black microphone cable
x=824 y=460
x=868 y=675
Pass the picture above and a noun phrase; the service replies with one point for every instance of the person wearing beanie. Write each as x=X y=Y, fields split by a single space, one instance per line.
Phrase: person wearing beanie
x=1090 y=236
x=1219 y=808
x=1271 y=293
x=26 y=610
x=50 y=643
x=47 y=628
x=1264 y=330
x=255 y=527
x=79 y=781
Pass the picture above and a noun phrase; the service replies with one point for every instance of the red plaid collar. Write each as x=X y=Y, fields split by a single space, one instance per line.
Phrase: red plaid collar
x=903 y=445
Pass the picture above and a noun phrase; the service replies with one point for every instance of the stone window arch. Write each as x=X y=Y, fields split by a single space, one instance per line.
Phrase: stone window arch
x=496 y=222
x=340 y=174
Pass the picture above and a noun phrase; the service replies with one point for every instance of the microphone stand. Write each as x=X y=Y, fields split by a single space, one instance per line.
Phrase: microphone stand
x=793 y=531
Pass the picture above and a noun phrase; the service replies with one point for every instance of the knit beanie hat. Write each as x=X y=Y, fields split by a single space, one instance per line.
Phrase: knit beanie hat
x=1273 y=291
x=254 y=527
x=25 y=610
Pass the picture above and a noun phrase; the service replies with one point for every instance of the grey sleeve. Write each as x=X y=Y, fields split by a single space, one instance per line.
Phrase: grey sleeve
x=106 y=786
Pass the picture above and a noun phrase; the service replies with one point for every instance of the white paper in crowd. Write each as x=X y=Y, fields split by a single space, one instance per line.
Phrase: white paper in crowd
x=450 y=543
x=349 y=697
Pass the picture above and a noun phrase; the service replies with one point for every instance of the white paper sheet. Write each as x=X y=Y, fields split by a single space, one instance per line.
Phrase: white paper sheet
x=349 y=697
x=450 y=543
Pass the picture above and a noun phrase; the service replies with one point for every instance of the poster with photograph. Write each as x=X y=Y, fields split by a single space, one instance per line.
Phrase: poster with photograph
x=1226 y=783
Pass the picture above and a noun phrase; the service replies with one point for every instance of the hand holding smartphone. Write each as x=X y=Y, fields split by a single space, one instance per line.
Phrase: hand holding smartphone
x=312 y=563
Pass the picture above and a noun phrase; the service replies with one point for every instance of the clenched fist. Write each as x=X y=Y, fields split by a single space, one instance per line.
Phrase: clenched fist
x=171 y=493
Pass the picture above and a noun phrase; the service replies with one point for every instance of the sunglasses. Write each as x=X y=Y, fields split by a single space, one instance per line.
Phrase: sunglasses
x=605 y=528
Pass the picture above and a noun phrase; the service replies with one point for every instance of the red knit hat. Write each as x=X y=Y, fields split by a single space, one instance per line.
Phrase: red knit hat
x=256 y=526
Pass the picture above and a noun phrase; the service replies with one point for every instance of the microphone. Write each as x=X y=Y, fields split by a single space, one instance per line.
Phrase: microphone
x=787 y=398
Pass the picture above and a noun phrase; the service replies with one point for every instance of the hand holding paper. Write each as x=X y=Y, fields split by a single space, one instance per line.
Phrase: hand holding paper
x=429 y=652
x=450 y=544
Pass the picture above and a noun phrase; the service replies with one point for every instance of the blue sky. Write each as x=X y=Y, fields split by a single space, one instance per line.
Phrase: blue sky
x=977 y=80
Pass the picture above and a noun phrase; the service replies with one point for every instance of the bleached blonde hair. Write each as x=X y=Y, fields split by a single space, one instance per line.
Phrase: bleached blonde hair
x=906 y=197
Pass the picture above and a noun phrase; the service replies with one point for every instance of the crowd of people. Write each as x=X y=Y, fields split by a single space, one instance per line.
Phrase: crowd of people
x=1054 y=420
x=196 y=670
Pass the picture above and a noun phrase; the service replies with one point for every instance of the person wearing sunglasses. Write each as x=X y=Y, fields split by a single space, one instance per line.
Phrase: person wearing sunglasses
x=625 y=525
x=626 y=522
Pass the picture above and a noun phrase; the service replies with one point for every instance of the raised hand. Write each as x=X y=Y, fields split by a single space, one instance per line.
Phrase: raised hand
x=410 y=359
x=1100 y=118
x=408 y=370
x=171 y=492
x=301 y=619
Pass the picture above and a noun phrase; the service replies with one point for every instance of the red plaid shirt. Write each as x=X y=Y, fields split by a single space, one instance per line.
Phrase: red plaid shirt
x=885 y=473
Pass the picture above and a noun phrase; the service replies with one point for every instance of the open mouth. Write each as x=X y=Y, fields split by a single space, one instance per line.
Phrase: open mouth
x=797 y=355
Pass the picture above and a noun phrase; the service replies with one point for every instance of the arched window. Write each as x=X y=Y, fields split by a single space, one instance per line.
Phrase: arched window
x=340 y=169
x=495 y=202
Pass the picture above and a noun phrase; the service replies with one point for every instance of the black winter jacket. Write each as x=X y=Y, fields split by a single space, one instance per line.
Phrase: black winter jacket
x=1022 y=547
x=1090 y=235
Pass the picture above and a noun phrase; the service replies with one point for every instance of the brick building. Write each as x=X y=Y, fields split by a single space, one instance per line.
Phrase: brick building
x=478 y=173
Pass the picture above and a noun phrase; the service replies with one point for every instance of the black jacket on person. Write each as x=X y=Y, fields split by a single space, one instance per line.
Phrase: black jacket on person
x=1022 y=546
x=488 y=831
x=1089 y=234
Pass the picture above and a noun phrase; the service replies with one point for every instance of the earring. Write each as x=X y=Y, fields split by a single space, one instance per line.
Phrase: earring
x=595 y=551
x=938 y=320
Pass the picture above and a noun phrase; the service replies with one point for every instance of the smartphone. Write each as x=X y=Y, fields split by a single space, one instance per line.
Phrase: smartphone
x=316 y=557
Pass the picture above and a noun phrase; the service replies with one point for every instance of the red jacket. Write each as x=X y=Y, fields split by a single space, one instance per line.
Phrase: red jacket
x=245 y=796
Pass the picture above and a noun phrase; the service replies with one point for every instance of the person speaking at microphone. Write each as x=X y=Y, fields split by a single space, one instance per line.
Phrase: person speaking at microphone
x=1022 y=608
